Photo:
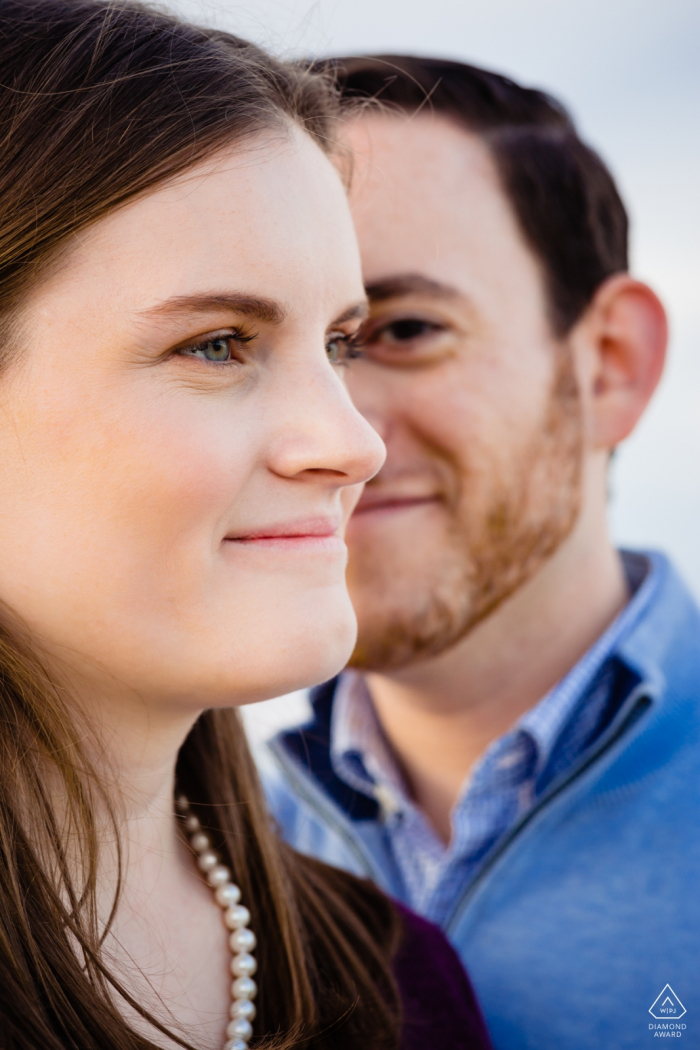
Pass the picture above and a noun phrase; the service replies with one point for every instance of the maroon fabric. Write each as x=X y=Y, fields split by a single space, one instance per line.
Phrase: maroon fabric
x=440 y=1010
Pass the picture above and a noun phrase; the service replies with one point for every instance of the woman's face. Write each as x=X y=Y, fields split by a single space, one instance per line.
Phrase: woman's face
x=178 y=454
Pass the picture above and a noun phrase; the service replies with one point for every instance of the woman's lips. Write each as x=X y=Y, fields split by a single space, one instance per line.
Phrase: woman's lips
x=310 y=534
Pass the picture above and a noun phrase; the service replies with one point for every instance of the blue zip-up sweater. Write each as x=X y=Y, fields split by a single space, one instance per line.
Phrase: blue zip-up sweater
x=589 y=906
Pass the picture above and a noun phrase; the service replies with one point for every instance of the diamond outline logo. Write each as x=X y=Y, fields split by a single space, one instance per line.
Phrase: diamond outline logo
x=660 y=1002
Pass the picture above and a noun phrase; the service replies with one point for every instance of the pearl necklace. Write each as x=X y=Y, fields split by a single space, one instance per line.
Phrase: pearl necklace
x=242 y=940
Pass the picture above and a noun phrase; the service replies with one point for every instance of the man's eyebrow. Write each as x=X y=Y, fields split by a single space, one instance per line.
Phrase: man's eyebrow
x=358 y=311
x=266 y=311
x=410 y=284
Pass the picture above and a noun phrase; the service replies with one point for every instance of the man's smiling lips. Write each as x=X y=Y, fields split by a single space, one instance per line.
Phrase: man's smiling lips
x=373 y=502
x=310 y=534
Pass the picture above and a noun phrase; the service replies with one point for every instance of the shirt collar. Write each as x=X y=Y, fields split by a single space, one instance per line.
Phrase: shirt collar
x=362 y=756
x=545 y=721
x=360 y=753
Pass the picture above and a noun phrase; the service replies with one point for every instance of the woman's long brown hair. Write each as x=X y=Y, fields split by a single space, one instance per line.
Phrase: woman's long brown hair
x=99 y=101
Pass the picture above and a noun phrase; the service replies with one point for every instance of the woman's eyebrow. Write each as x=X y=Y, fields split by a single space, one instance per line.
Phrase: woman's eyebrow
x=266 y=311
x=358 y=311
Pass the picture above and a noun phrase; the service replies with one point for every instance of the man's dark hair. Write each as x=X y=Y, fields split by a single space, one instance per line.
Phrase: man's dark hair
x=563 y=195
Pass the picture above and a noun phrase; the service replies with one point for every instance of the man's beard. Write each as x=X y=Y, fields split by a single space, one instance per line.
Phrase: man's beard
x=490 y=551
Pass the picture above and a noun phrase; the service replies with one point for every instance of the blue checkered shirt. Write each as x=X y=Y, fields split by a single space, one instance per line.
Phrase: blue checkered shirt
x=512 y=773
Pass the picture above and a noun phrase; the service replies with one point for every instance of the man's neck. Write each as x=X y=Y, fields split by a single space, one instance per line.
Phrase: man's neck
x=441 y=714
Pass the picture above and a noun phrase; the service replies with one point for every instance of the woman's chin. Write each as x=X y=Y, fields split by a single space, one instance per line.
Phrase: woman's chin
x=298 y=651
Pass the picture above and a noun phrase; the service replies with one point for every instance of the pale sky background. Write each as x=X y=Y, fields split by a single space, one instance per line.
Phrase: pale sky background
x=630 y=72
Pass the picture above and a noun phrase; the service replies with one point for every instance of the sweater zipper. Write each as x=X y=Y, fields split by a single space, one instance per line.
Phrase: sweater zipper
x=636 y=704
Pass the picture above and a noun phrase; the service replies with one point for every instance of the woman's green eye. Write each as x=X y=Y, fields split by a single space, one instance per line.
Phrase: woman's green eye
x=335 y=349
x=223 y=349
x=342 y=348
x=212 y=349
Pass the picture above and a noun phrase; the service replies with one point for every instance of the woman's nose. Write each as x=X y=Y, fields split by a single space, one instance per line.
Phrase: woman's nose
x=323 y=434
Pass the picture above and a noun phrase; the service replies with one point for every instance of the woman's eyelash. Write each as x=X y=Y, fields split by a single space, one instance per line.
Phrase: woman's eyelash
x=218 y=347
x=348 y=347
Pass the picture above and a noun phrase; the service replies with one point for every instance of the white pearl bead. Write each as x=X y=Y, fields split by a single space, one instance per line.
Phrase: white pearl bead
x=200 y=842
x=218 y=876
x=236 y=917
x=243 y=965
x=243 y=1008
x=207 y=861
x=239 y=1029
x=227 y=895
x=243 y=940
x=244 y=988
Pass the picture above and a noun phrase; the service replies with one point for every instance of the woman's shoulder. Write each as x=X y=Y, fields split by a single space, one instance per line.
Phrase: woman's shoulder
x=439 y=1005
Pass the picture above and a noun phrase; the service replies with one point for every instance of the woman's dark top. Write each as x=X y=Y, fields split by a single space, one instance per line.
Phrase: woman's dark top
x=439 y=1007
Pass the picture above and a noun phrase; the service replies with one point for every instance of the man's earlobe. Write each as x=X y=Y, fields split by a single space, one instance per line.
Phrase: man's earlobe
x=627 y=331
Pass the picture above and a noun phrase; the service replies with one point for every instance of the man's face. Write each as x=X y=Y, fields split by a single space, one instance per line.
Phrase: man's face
x=476 y=399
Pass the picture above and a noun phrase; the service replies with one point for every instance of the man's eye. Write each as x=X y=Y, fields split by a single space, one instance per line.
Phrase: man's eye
x=408 y=328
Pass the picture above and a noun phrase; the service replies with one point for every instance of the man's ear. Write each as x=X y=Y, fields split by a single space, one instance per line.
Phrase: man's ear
x=624 y=332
